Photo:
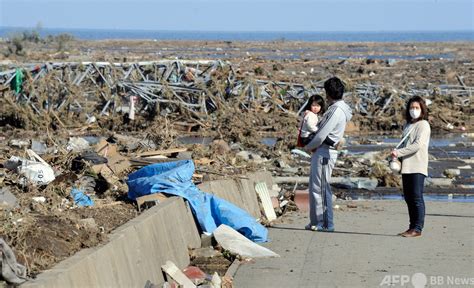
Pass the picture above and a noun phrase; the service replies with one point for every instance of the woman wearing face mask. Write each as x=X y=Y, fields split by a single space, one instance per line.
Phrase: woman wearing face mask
x=414 y=158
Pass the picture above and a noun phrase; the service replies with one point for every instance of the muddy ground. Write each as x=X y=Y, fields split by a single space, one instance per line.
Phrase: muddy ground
x=44 y=233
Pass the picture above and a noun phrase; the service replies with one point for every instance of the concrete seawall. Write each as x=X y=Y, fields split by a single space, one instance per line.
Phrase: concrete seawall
x=240 y=192
x=134 y=253
x=137 y=249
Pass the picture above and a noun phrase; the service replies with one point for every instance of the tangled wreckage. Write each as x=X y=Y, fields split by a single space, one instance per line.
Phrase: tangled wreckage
x=65 y=93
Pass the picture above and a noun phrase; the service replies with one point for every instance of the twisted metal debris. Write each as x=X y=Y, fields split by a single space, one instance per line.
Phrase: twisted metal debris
x=98 y=89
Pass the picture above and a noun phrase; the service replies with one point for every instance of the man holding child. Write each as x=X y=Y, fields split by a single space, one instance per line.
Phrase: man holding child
x=330 y=131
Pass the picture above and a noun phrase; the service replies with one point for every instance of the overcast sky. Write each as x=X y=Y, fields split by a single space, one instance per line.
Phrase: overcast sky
x=257 y=15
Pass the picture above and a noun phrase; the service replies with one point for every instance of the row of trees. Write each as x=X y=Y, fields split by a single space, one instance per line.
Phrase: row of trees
x=17 y=42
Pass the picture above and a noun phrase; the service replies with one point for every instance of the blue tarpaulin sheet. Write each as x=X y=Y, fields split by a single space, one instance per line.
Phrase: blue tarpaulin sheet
x=81 y=199
x=211 y=211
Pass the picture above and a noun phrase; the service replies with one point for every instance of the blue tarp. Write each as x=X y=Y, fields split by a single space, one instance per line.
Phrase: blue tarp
x=211 y=211
x=81 y=199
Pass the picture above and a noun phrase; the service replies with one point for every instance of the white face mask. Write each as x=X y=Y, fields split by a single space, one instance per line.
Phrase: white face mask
x=415 y=113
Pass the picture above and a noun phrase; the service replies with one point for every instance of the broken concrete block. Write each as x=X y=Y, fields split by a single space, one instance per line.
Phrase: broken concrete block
x=236 y=243
x=7 y=199
x=216 y=281
x=173 y=271
x=207 y=240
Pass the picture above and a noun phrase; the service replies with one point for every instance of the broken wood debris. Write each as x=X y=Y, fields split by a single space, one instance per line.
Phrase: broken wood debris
x=94 y=90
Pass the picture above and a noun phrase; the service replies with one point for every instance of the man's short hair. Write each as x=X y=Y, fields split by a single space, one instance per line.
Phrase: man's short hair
x=334 y=88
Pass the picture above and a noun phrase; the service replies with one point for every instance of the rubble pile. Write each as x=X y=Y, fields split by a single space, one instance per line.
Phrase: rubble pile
x=64 y=95
x=72 y=132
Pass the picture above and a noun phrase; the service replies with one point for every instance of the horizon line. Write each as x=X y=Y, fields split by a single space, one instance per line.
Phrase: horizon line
x=242 y=31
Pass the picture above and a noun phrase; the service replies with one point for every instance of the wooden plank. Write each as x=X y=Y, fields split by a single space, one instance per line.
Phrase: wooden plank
x=162 y=152
x=147 y=161
x=262 y=191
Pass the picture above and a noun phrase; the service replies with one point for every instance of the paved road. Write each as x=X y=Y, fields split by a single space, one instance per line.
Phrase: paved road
x=364 y=251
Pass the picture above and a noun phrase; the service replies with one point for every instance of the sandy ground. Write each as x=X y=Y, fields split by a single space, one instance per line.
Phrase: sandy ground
x=364 y=251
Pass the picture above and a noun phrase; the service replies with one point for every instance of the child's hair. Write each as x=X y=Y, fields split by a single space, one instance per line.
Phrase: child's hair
x=318 y=99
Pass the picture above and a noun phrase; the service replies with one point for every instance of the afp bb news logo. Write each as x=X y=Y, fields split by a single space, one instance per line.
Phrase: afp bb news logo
x=420 y=280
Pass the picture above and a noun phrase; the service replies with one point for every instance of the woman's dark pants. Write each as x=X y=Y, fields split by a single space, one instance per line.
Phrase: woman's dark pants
x=413 y=185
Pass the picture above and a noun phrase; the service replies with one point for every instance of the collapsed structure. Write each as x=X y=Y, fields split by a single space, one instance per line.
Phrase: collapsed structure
x=67 y=91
